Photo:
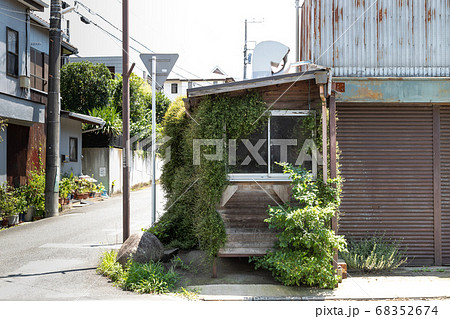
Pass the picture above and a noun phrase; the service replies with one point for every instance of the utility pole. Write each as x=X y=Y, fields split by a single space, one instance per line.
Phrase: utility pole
x=297 y=31
x=245 y=51
x=153 y=140
x=52 y=162
x=245 y=45
x=126 y=120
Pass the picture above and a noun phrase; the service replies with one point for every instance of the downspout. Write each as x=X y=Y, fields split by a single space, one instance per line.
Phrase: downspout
x=27 y=48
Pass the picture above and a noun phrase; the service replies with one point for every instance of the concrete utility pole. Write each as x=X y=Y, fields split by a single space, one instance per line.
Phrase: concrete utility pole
x=126 y=120
x=52 y=166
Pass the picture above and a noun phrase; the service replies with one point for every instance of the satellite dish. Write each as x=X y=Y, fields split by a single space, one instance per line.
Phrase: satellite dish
x=269 y=58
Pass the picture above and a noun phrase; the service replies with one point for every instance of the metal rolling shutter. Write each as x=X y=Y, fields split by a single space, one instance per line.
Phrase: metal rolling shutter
x=387 y=163
x=445 y=183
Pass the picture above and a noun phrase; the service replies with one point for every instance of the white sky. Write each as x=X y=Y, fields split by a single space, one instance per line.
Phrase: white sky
x=205 y=33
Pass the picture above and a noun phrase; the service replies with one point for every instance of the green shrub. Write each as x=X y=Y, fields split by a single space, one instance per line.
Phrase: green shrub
x=374 y=254
x=304 y=251
x=151 y=277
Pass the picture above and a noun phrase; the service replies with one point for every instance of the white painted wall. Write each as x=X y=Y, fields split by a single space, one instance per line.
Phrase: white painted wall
x=39 y=38
x=16 y=20
x=70 y=128
x=183 y=85
x=110 y=161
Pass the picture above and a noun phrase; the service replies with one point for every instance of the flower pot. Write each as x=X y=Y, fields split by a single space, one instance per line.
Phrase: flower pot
x=28 y=217
x=13 y=220
x=85 y=195
x=5 y=221
x=78 y=196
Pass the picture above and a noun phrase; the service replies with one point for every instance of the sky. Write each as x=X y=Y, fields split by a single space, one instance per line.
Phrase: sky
x=205 y=33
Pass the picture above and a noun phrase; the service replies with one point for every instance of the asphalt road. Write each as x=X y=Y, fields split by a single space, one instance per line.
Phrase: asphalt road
x=56 y=258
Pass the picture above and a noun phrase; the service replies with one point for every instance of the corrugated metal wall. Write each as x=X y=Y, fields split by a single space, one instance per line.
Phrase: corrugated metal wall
x=445 y=183
x=400 y=38
x=387 y=163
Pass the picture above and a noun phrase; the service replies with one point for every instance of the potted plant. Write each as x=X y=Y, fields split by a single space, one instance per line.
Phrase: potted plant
x=21 y=196
x=36 y=183
x=10 y=209
x=66 y=187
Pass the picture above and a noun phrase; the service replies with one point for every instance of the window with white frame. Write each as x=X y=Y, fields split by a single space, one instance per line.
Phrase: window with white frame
x=283 y=139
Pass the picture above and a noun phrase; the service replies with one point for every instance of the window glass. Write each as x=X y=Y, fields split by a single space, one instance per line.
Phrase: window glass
x=174 y=88
x=73 y=149
x=12 y=41
x=287 y=138
x=12 y=58
x=251 y=154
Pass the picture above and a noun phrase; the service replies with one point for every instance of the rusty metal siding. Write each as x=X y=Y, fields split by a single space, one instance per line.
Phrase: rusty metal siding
x=387 y=163
x=445 y=183
x=381 y=38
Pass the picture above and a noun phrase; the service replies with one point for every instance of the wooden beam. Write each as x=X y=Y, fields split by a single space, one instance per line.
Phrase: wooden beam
x=324 y=134
x=333 y=164
x=437 y=185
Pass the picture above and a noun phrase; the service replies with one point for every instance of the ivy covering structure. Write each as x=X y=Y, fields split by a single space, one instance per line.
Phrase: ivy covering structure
x=193 y=191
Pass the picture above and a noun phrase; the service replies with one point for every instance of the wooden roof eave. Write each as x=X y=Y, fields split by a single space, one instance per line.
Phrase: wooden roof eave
x=250 y=84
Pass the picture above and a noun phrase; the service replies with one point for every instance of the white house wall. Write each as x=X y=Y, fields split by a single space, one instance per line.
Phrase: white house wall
x=15 y=20
x=39 y=38
x=70 y=128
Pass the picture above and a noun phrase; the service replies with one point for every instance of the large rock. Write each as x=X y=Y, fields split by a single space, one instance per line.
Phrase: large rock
x=141 y=247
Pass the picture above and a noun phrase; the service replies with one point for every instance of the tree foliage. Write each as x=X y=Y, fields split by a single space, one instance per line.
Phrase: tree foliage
x=85 y=86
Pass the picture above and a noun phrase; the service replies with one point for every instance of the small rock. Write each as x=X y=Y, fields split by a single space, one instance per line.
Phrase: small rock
x=141 y=247
x=168 y=254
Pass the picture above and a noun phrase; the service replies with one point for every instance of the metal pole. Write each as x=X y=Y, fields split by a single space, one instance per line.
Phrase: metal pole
x=52 y=165
x=126 y=121
x=245 y=51
x=153 y=140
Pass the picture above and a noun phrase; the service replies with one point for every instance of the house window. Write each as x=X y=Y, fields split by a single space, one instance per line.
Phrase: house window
x=283 y=139
x=174 y=88
x=12 y=57
x=73 y=149
x=39 y=70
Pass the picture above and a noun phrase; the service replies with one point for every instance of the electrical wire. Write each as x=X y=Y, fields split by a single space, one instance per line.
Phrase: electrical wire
x=138 y=42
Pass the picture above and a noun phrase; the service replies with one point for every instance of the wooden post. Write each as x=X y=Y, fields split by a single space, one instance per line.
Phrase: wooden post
x=214 y=269
x=324 y=134
x=333 y=164
x=437 y=185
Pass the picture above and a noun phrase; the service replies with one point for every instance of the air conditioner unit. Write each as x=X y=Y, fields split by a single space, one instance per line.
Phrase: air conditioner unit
x=24 y=81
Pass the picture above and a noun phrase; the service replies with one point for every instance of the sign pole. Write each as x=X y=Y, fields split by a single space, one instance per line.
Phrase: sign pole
x=153 y=140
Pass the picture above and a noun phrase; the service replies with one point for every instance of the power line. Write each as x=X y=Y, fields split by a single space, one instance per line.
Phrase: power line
x=138 y=42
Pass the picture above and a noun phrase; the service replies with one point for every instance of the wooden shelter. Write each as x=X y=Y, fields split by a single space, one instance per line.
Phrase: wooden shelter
x=290 y=98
